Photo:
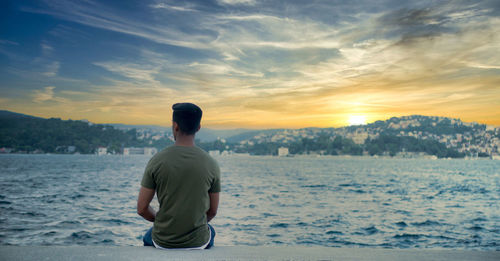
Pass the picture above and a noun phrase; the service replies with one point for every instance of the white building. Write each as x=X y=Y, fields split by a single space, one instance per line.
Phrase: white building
x=133 y=151
x=140 y=151
x=214 y=153
x=282 y=151
x=150 y=151
x=102 y=151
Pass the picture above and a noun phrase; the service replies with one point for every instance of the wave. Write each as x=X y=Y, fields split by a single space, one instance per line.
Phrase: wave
x=475 y=228
x=280 y=225
x=401 y=224
x=408 y=236
x=314 y=186
x=426 y=223
x=334 y=232
x=370 y=230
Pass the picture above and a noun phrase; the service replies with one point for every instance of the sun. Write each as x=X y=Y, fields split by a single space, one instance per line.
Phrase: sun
x=356 y=120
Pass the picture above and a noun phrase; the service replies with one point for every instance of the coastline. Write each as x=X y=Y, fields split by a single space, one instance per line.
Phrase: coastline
x=425 y=157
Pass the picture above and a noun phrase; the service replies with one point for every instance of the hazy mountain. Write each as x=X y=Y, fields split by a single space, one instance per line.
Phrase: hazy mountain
x=205 y=134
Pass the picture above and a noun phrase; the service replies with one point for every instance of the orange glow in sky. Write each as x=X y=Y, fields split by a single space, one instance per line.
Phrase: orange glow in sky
x=253 y=65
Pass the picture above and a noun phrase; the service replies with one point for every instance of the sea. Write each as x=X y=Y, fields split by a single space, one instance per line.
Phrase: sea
x=265 y=201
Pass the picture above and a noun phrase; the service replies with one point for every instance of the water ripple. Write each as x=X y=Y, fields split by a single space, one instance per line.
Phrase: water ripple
x=327 y=201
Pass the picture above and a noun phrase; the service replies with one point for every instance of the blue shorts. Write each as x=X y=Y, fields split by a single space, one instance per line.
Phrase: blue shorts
x=148 y=239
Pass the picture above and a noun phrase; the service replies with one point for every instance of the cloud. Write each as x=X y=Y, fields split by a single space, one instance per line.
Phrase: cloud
x=139 y=72
x=414 y=24
x=226 y=34
x=216 y=67
x=173 y=7
x=482 y=66
x=237 y=2
x=100 y=16
x=46 y=94
x=257 y=61
x=46 y=49
x=52 y=69
x=8 y=42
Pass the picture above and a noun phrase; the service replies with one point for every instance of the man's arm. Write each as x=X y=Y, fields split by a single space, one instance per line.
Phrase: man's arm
x=143 y=207
x=214 y=204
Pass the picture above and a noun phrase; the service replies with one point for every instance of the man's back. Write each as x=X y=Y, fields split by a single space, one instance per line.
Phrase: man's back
x=182 y=177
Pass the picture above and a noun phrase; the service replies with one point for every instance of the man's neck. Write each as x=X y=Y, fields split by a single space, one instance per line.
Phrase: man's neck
x=185 y=140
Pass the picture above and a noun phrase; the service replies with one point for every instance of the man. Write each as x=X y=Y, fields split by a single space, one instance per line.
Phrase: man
x=187 y=184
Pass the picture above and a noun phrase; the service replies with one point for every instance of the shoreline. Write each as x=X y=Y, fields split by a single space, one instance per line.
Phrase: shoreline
x=426 y=157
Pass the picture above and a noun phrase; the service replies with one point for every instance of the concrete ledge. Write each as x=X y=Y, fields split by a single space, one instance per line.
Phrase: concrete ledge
x=235 y=253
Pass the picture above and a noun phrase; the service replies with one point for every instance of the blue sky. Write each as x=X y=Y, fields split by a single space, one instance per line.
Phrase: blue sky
x=250 y=63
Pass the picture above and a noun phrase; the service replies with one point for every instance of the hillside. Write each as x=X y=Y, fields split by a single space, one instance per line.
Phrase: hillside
x=430 y=135
x=26 y=134
x=407 y=136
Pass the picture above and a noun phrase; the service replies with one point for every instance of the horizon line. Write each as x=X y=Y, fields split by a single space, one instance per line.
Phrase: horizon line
x=255 y=129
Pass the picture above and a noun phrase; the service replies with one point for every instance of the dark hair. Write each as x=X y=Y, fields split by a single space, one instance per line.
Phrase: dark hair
x=188 y=116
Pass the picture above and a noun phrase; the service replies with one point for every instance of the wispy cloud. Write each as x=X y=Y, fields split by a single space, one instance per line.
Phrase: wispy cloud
x=251 y=62
x=138 y=72
x=8 y=42
x=46 y=49
x=46 y=94
x=483 y=66
x=51 y=69
x=173 y=7
x=237 y=2
x=97 y=15
x=220 y=68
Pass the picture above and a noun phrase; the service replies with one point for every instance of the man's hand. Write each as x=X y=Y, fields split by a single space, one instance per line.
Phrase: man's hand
x=143 y=207
x=214 y=204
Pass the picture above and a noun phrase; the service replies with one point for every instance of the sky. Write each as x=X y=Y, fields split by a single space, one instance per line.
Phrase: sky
x=251 y=63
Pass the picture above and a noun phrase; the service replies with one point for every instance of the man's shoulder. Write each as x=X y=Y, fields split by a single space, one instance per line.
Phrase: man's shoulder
x=172 y=155
x=206 y=158
x=173 y=151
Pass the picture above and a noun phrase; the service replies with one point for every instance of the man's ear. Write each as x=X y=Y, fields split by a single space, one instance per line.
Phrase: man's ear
x=175 y=126
x=199 y=127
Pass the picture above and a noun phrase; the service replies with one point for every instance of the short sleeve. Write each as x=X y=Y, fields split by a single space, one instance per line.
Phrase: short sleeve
x=215 y=186
x=147 y=179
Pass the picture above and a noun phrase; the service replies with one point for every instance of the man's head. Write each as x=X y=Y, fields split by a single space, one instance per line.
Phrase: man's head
x=187 y=116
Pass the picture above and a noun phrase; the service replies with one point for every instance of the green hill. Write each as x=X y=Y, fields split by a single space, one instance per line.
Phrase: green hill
x=23 y=133
x=406 y=136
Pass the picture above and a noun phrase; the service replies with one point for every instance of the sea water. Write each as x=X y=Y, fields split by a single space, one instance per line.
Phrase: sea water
x=317 y=201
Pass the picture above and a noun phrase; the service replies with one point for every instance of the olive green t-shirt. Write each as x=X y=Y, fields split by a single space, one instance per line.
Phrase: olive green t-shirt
x=182 y=178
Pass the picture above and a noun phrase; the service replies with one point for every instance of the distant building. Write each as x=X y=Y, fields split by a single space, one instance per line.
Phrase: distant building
x=133 y=151
x=150 y=151
x=71 y=149
x=226 y=152
x=140 y=151
x=102 y=151
x=5 y=150
x=214 y=153
x=282 y=151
